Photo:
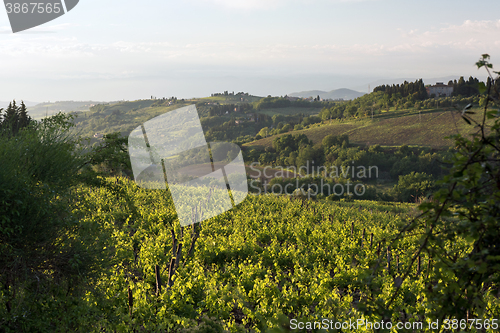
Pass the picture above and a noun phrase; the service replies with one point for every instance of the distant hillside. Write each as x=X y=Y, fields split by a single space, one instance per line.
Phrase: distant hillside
x=342 y=93
x=40 y=110
x=120 y=117
x=388 y=129
x=3 y=105
x=380 y=82
x=126 y=115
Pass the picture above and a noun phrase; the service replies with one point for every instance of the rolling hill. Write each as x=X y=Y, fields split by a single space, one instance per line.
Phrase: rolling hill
x=27 y=103
x=388 y=129
x=342 y=93
x=40 y=110
x=391 y=128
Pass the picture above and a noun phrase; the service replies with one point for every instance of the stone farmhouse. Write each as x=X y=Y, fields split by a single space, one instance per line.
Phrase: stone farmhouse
x=440 y=90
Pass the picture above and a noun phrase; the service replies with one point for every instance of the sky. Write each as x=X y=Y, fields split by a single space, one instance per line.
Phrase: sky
x=108 y=50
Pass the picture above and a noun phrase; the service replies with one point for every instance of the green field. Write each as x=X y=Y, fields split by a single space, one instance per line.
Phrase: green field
x=388 y=129
x=289 y=111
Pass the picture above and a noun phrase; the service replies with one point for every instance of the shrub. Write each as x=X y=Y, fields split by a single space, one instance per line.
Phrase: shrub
x=412 y=186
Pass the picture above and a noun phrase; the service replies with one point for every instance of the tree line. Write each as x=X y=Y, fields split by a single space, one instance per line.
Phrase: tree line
x=416 y=89
x=14 y=118
x=283 y=102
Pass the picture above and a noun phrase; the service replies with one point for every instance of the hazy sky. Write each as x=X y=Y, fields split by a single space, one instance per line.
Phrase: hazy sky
x=111 y=50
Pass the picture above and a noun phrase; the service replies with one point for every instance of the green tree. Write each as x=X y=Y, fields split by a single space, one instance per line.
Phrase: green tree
x=15 y=118
x=10 y=119
x=351 y=110
x=24 y=119
x=110 y=156
x=307 y=157
x=286 y=128
x=263 y=132
x=334 y=140
x=413 y=186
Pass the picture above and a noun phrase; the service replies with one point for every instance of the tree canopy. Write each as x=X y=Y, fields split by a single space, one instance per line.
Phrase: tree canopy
x=14 y=118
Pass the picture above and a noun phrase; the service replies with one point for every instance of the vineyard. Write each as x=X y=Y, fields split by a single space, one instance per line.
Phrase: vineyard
x=84 y=248
x=271 y=259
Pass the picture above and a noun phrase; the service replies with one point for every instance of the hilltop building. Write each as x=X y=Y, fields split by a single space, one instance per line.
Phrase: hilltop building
x=440 y=89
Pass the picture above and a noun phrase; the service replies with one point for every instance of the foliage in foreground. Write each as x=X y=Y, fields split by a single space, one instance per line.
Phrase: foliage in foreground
x=256 y=267
x=270 y=257
x=46 y=256
x=467 y=211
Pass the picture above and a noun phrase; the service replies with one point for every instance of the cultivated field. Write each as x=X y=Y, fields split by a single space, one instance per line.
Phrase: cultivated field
x=389 y=129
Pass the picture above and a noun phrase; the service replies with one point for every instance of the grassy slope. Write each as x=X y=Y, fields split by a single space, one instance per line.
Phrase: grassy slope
x=41 y=110
x=388 y=129
x=290 y=111
x=133 y=113
x=231 y=99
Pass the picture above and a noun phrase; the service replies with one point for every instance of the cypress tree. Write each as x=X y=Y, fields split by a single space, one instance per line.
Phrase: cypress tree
x=24 y=119
x=10 y=118
x=14 y=118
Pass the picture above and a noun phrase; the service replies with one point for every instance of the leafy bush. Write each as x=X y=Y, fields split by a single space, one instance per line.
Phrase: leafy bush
x=334 y=140
x=48 y=257
x=413 y=186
